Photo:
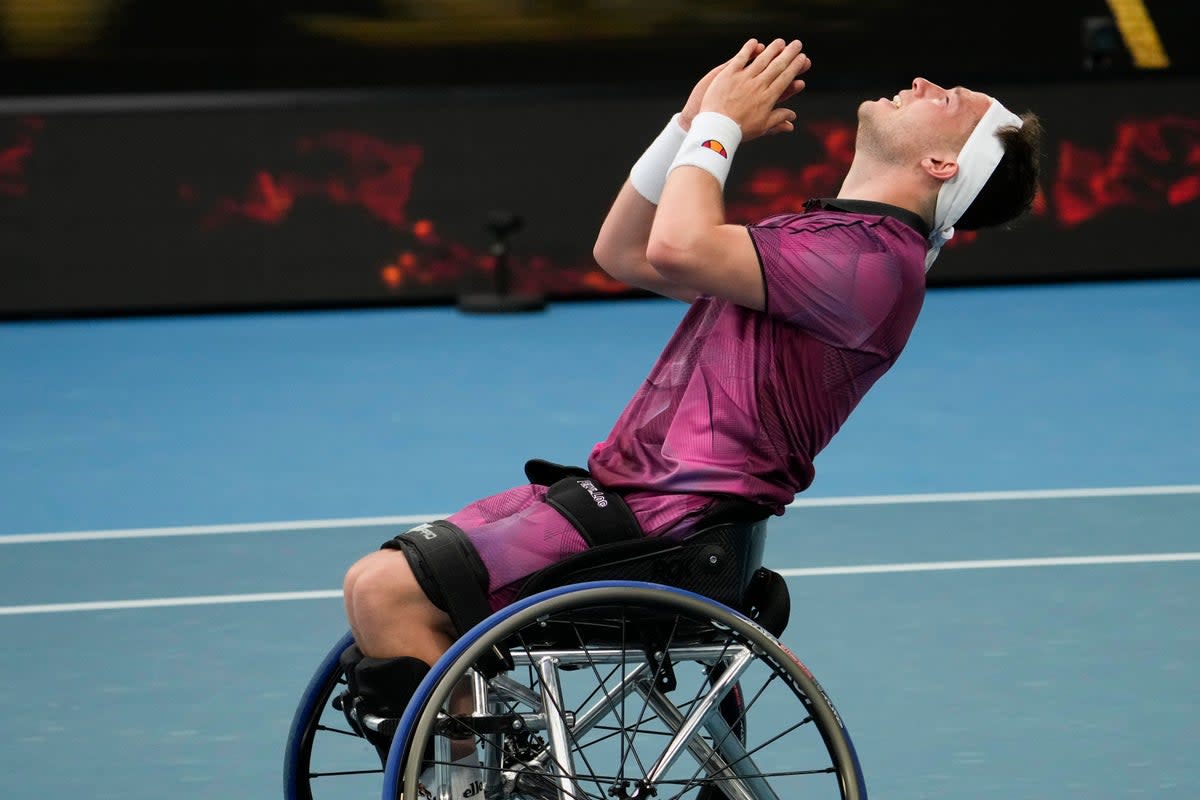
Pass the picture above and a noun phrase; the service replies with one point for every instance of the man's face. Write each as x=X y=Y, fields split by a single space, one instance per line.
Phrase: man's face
x=921 y=121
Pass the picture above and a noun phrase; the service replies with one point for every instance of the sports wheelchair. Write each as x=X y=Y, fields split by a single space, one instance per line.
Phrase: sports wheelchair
x=649 y=670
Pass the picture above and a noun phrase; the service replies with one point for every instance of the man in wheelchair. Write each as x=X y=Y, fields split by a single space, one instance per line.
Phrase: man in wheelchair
x=791 y=321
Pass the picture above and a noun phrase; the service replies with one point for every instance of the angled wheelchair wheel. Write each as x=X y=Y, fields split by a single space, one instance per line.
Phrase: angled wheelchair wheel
x=325 y=759
x=621 y=690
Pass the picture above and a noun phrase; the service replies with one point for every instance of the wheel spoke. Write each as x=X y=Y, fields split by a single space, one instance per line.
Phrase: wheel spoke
x=328 y=729
x=563 y=749
x=346 y=772
x=561 y=723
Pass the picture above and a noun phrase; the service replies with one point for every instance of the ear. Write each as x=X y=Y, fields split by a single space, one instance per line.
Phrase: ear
x=939 y=169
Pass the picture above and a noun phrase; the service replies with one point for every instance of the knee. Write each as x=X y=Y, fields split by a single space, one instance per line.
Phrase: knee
x=357 y=570
x=381 y=581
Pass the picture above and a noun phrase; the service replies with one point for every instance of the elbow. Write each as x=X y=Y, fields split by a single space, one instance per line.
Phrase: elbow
x=618 y=263
x=609 y=250
x=608 y=259
x=603 y=254
x=671 y=259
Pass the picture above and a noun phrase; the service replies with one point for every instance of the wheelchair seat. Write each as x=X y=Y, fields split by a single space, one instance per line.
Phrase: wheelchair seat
x=717 y=561
x=721 y=561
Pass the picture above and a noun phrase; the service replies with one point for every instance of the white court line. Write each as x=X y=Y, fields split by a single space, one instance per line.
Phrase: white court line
x=209 y=530
x=1000 y=563
x=416 y=519
x=984 y=497
x=169 y=602
x=862 y=569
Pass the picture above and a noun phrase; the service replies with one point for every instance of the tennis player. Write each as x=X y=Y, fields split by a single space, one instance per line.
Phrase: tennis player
x=792 y=320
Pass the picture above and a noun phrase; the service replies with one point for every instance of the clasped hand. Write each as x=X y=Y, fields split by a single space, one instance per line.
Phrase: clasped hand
x=750 y=87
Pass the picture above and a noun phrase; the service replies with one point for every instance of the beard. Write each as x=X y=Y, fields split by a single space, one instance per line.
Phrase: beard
x=875 y=135
x=892 y=137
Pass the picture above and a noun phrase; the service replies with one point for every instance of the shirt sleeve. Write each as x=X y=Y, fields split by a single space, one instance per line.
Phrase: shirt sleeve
x=838 y=281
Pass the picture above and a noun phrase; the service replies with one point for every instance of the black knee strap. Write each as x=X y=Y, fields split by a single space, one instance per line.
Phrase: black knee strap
x=382 y=687
x=448 y=569
x=385 y=685
x=600 y=515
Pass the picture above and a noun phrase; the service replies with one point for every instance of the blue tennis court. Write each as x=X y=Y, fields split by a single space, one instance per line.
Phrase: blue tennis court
x=994 y=575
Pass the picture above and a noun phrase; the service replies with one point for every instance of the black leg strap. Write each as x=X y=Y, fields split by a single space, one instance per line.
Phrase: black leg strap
x=600 y=515
x=448 y=569
x=380 y=687
x=385 y=685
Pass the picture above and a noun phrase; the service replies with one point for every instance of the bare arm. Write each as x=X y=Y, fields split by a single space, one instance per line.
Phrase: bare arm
x=690 y=243
x=620 y=247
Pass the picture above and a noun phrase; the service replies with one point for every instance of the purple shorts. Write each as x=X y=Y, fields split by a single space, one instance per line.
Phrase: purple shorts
x=516 y=533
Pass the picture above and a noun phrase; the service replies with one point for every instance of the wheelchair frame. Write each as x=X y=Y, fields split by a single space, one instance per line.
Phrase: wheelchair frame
x=703 y=728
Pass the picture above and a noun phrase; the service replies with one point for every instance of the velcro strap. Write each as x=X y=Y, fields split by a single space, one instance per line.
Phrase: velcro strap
x=449 y=570
x=601 y=516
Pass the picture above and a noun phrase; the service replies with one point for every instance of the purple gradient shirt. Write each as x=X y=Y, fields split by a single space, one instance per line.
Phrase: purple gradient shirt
x=740 y=402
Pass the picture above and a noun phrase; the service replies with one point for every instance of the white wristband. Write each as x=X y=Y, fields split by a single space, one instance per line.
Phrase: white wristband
x=649 y=173
x=710 y=145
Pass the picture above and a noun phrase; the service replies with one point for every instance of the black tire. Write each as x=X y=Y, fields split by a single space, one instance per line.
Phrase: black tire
x=325 y=759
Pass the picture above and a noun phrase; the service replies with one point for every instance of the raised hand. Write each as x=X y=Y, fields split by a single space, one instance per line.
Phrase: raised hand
x=750 y=86
x=692 y=107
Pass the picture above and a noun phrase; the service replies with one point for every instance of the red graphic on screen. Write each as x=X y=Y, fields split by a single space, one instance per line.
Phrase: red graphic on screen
x=428 y=259
x=781 y=190
x=1152 y=164
x=432 y=260
x=15 y=155
x=377 y=177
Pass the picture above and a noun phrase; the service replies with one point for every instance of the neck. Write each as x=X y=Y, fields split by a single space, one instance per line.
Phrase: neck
x=893 y=185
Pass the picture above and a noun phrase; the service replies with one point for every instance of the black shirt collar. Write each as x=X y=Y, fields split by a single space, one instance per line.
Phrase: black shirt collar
x=872 y=208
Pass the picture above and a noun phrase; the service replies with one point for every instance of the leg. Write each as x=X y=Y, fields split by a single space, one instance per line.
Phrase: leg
x=396 y=601
x=389 y=614
x=514 y=533
x=398 y=634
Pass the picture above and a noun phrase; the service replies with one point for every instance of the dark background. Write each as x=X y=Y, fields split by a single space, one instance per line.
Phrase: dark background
x=164 y=157
x=73 y=46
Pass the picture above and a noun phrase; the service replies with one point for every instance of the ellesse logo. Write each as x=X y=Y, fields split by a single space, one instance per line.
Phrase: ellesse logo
x=716 y=147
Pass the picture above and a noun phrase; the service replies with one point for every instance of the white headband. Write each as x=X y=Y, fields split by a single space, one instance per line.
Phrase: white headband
x=976 y=162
